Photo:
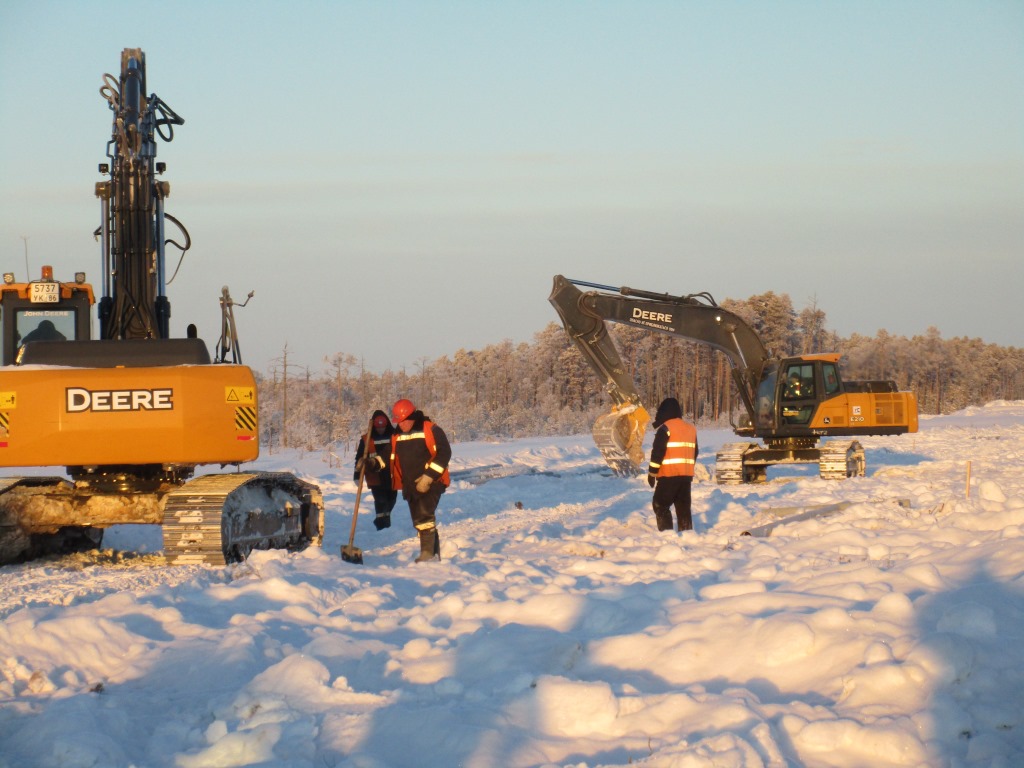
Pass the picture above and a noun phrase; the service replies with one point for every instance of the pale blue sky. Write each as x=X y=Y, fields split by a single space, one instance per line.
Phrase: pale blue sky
x=401 y=180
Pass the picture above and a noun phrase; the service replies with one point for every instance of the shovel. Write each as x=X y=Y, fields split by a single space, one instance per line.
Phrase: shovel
x=349 y=552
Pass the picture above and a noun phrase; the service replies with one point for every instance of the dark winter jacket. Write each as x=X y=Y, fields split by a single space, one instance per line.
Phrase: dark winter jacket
x=382 y=447
x=411 y=455
x=670 y=414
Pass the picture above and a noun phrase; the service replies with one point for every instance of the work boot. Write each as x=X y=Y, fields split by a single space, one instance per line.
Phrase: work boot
x=429 y=546
x=381 y=522
x=663 y=516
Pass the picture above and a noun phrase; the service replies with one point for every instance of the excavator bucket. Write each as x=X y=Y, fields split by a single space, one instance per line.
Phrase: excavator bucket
x=619 y=436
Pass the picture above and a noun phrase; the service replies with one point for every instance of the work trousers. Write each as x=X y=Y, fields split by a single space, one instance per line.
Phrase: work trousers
x=422 y=506
x=669 y=492
x=384 y=498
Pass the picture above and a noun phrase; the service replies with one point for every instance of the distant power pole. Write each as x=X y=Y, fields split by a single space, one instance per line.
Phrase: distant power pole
x=284 y=385
x=28 y=272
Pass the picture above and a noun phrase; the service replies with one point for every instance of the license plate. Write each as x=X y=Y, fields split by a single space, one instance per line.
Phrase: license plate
x=44 y=293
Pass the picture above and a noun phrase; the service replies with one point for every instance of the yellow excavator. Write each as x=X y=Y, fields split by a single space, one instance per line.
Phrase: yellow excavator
x=791 y=403
x=130 y=415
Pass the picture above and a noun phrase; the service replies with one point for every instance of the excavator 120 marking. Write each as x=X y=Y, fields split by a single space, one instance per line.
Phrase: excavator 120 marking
x=131 y=414
x=790 y=403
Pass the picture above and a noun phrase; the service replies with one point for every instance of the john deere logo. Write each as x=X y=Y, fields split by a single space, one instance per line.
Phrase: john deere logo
x=658 y=317
x=79 y=400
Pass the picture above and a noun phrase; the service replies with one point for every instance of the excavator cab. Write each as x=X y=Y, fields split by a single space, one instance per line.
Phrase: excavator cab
x=43 y=310
x=789 y=392
x=798 y=401
x=806 y=396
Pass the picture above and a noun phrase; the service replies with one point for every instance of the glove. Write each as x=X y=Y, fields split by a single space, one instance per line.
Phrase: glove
x=371 y=463
x=380 y=522
x=651 y=479
x=423 y=483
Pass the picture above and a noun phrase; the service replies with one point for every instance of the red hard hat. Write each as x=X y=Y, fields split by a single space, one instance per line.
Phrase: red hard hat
x=402 y=410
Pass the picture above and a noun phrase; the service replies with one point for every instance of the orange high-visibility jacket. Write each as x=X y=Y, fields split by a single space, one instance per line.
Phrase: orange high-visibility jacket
x=430 y=468
x=680 y=450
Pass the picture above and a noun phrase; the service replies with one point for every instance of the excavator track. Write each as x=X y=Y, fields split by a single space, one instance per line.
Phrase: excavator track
x=841 y=459
x=219 y=519
x=213 y=519
x=738 y=463
x=42 y=516
x=730 y=465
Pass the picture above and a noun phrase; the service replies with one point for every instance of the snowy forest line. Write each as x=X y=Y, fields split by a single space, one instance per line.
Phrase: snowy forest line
x=545 y=387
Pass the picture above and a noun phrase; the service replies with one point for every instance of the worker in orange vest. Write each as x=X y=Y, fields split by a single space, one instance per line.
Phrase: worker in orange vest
x=420 y=453
x=670 y=473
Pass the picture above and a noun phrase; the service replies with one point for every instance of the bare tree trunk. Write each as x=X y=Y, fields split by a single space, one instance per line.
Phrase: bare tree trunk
x=284 y=391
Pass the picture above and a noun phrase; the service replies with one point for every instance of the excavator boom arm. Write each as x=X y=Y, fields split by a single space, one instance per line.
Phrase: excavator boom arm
x=586 y=327
x=695 y=318
x=134 y=304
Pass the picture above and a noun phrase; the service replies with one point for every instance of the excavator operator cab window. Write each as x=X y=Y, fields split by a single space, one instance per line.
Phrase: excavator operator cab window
x=44 y=325
x=830 y=375
x=798 y=386
x=799 y=382
x=765 y=405
x=63 y=314
x=24 y=321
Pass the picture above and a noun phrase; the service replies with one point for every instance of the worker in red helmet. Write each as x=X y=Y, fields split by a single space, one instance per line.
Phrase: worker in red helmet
x=420 y=454
x=375 y=461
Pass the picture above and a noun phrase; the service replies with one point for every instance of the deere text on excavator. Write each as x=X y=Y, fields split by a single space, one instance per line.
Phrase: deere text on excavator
x=131 y=414
x=790 y=403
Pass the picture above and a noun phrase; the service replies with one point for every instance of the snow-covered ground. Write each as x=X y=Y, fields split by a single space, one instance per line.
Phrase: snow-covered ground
x=565 y=633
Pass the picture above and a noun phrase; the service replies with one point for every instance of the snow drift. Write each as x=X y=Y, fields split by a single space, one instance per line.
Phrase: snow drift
x=561 y=629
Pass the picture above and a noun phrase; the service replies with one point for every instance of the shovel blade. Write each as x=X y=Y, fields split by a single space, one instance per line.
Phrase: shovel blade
x=352 y=554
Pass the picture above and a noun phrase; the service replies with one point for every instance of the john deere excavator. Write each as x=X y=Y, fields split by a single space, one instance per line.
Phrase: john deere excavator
x=790 y=403
x=131 y=414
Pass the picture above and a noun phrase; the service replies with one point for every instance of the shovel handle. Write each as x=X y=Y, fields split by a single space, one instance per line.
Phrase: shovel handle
x=359 y=490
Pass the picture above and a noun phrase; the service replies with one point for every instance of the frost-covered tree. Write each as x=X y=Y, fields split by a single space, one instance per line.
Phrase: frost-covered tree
x=546 y=387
